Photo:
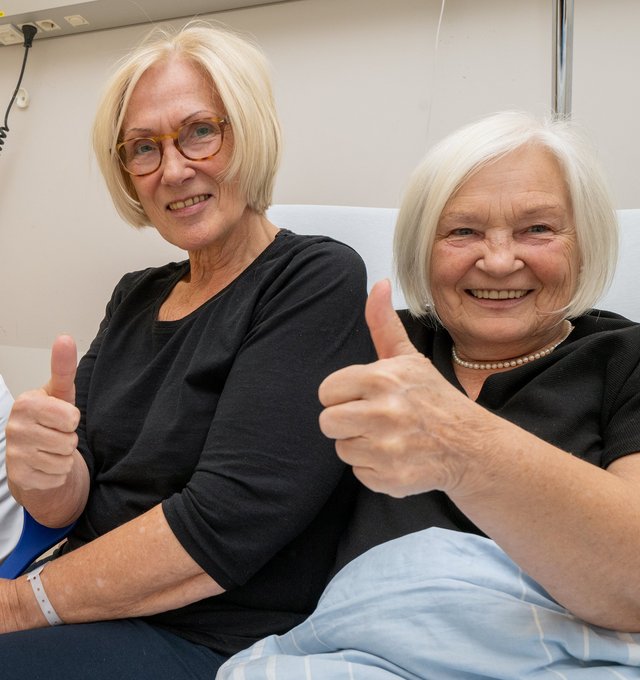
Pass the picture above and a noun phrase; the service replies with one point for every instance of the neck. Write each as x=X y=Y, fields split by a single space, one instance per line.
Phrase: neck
x=212 y=269
x=231 y=253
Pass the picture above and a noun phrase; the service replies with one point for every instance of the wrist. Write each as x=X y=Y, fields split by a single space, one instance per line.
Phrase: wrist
x=18 y=607
x=42 y=599
x=27 y=613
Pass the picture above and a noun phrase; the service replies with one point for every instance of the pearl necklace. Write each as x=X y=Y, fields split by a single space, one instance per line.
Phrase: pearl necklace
x=517 y=361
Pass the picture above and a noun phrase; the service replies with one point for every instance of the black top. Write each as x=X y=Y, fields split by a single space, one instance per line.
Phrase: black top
x=216 y=417
x=583 y=398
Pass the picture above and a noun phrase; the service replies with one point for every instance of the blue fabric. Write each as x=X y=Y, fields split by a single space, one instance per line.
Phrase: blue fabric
x=128 y=649
x=438 y=605
x=35 y=539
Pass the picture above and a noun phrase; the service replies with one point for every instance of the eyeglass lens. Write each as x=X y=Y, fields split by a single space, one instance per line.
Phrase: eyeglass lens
x=196 y=141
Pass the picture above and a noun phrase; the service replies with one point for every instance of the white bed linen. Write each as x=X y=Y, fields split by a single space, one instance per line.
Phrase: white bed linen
x=438 y=605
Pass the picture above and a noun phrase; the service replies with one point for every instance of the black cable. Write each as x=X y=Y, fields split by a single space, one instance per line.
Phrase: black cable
x=29 y=32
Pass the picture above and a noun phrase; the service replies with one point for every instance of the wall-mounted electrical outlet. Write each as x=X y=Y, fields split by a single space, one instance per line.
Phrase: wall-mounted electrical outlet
x=22 y=98
x=10 y=35
x=76 y=20
x=28 y=23
x=47 y=25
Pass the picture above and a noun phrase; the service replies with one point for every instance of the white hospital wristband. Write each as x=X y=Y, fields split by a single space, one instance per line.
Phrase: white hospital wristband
x=41 y=597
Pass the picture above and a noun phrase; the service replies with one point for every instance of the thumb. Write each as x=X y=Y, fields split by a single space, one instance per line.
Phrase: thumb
x=64 y=359
x=387 y=332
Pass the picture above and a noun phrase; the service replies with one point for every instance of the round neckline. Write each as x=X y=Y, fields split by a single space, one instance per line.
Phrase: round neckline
x=183 y=268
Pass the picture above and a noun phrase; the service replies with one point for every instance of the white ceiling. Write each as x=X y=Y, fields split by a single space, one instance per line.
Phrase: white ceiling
x=101 y=14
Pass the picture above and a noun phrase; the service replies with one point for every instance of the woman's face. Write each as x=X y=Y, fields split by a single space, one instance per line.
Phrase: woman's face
x=183 y=199
x=505 y=259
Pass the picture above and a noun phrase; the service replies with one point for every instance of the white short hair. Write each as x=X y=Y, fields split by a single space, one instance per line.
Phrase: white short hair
x=456 y=158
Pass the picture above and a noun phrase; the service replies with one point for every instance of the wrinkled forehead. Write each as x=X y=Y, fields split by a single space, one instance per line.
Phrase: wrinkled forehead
x=172 y=88
x=530 y=180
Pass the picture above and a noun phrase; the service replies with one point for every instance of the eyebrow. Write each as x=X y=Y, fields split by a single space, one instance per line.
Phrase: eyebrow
x=460 y=216
x=469 y=217
x=148 y=131
x=538 y=209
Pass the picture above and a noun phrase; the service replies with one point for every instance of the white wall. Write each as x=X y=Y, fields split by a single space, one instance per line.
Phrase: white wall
x=361 y=92
x=606 y=95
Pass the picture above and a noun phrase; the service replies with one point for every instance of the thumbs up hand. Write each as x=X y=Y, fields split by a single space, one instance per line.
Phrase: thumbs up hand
x=41 y=437
x=387 y=332
x=64 y=360
x=397 y=421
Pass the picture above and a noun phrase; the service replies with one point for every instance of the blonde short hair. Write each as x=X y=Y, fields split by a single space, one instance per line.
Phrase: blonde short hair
x=456 y=158
x=240 y=75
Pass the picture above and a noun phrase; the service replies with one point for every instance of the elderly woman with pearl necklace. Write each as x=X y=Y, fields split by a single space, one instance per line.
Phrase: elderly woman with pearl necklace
x=503 y=404
x=495 y=534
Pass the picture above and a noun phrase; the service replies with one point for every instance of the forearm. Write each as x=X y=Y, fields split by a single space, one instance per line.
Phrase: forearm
x=61 y=505
x=570 y=525
x=137 y=569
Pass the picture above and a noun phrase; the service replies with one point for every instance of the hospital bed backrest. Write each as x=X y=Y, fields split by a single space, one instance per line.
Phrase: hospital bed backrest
x=622 y=296
x=370 y=232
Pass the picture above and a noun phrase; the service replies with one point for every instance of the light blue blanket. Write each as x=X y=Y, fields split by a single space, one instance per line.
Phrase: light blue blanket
x=438 y=605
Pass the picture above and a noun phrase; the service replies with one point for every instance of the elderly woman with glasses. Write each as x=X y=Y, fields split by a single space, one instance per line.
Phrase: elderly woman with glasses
x=186 y=448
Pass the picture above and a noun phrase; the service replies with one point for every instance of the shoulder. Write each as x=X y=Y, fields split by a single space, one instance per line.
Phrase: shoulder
x=313 y=279
x=315 y=261
x=144 y=286
x=601 y=320
x=599 y=363
x=151 y=275
x=608 y=334
x=292 y=246
x=149 y=278
x=606 y=347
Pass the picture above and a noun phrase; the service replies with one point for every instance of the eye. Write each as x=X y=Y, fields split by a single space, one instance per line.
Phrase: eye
x=538 y=229
x=142 y=147
x=200 y=131
x=462 y=231
x=203 y=130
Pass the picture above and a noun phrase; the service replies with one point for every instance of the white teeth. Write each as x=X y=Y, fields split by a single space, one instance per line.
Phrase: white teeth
x=498 y=294
x=189 y=201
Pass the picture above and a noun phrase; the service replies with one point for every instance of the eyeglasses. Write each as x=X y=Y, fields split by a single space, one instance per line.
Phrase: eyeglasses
x=197 y=141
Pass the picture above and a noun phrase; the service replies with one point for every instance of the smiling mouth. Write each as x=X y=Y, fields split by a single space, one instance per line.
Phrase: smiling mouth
x=178 y=205
x=485 y=294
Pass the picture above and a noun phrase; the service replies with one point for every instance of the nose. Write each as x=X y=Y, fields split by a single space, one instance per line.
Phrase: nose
x=175 y=168
x=499 y=257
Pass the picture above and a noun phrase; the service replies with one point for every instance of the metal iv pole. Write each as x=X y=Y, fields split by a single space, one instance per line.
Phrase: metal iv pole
x=562 y=57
